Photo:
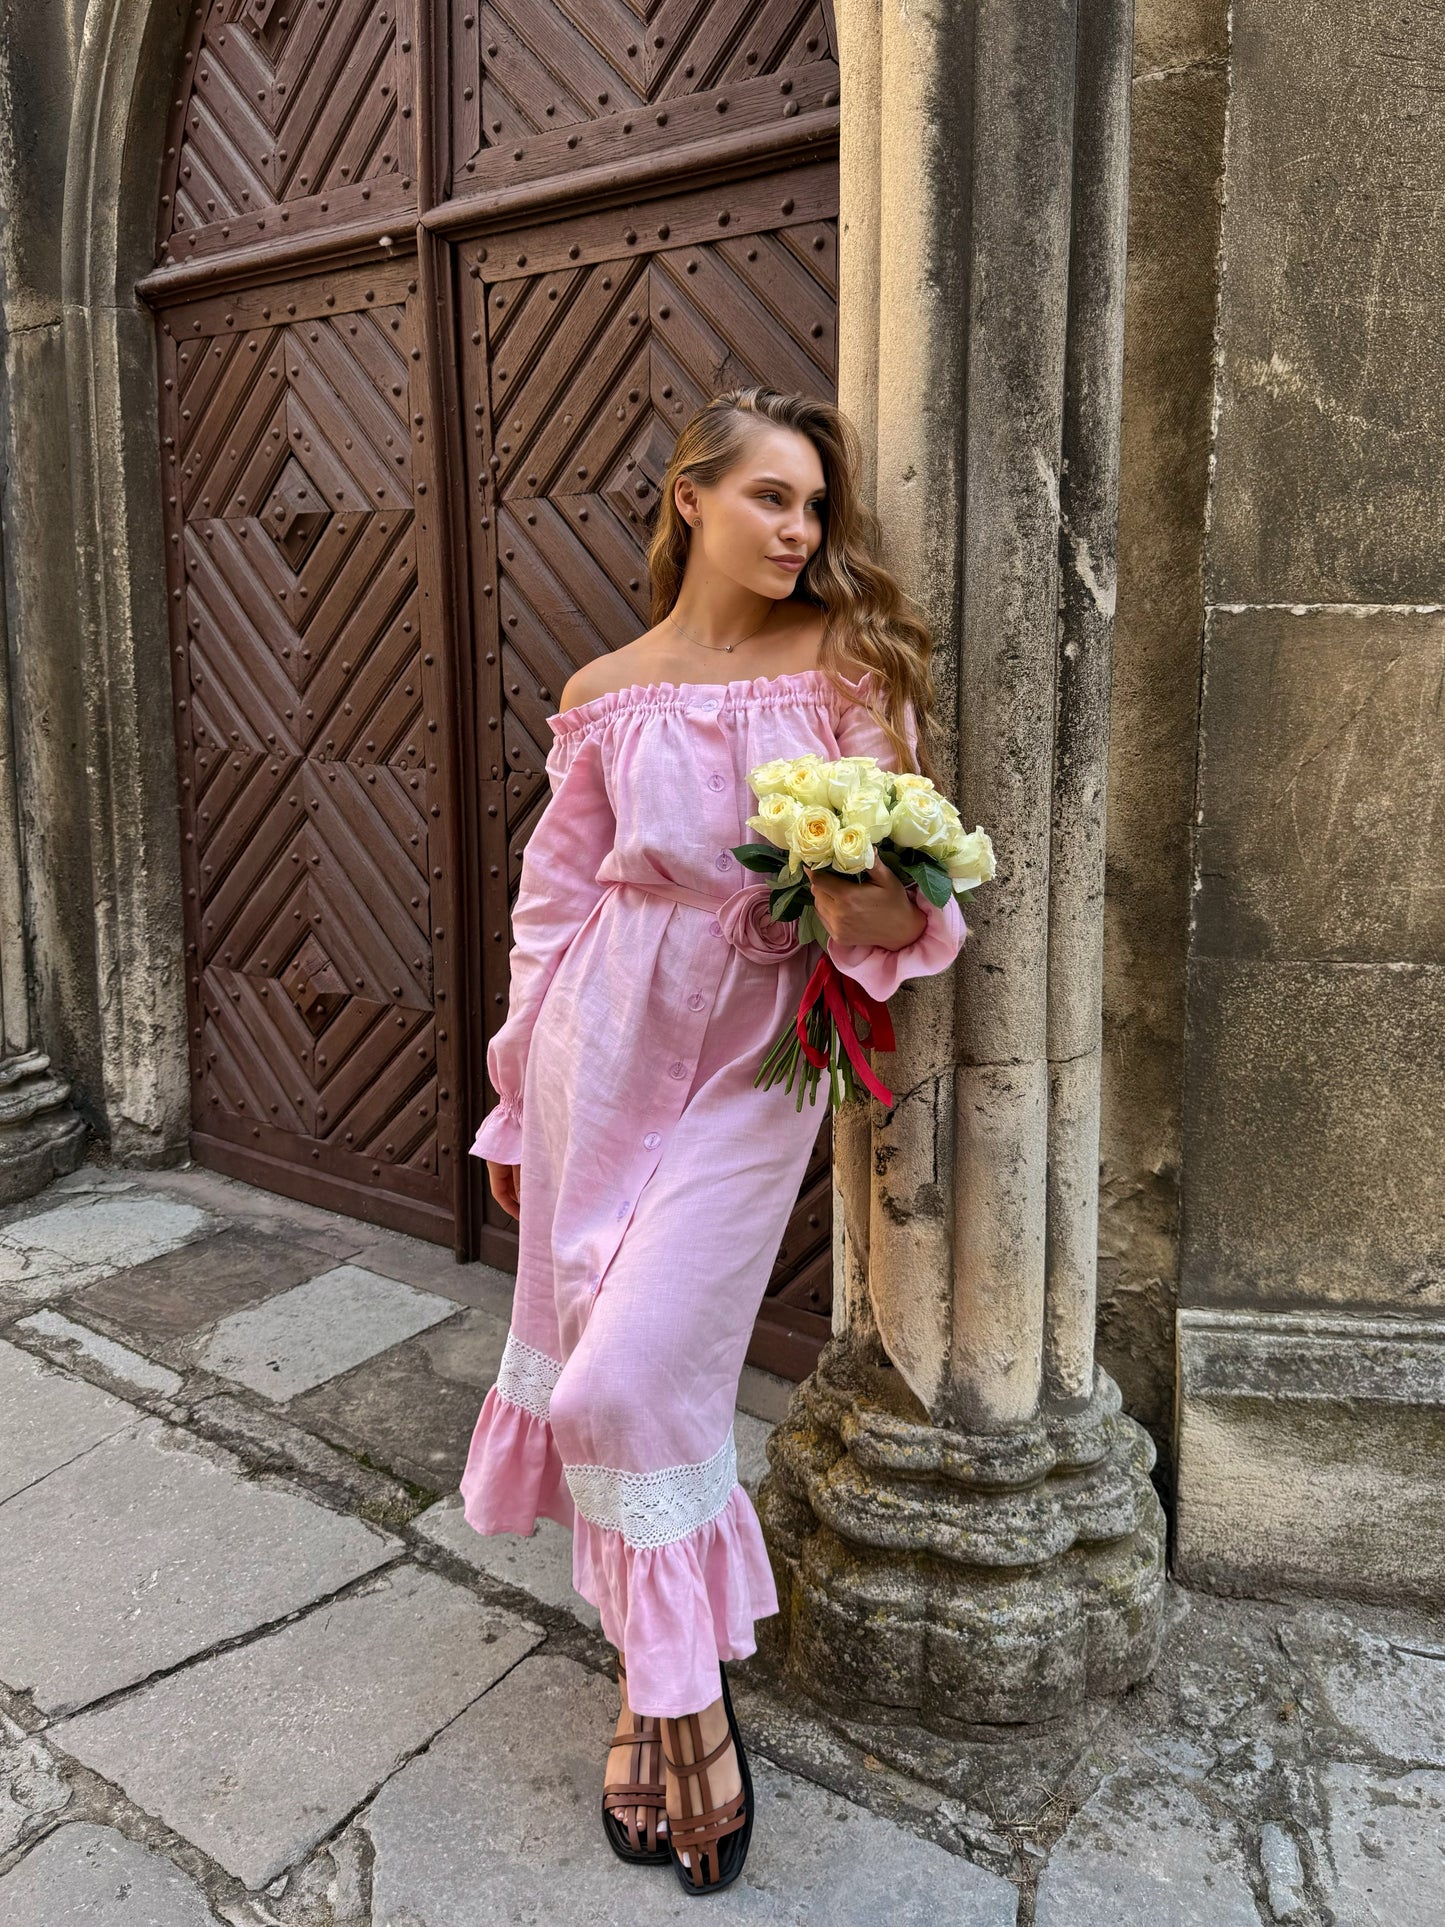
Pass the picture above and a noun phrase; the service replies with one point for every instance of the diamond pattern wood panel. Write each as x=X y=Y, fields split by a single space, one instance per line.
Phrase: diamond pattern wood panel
x=352 y=782
x=292 y=116
x=310 y=702
x=590 y=341
x=542 y=88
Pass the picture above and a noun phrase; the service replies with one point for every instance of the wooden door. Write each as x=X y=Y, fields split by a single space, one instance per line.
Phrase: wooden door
x=311 y=706
x=390 y=229
x=587 y=342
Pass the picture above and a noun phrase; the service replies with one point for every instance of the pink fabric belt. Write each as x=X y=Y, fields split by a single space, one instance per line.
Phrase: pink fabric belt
x=743 y=916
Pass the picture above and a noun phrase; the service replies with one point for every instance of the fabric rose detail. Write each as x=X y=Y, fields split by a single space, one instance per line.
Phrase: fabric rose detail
x=750 y=928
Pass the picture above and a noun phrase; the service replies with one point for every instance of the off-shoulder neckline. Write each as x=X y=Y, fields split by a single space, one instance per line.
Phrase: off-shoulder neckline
x=670 y=695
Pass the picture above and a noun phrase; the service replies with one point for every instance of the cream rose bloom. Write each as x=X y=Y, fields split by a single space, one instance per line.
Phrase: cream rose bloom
x=775 y=818
x=971 y=861
x=808 y=781
x=852 y=849
x=867 y=807
x=918 y=821
x=814 y=835
x=847 y=774
x=771 y=779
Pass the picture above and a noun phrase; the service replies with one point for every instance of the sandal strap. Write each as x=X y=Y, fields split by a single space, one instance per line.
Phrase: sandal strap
x=634 y=1793
x=715 y=1824
x=694 y=1767
x=634 y=1739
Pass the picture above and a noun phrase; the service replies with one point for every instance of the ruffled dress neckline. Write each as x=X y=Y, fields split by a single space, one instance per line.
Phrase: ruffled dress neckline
x=743 y=692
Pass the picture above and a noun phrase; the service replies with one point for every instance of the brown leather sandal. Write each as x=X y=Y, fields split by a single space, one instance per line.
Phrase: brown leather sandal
x=621 y=1800
x=715 y=1840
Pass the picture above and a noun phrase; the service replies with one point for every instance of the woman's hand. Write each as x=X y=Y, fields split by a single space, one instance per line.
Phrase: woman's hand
x=506 y=1182
x=876 y=909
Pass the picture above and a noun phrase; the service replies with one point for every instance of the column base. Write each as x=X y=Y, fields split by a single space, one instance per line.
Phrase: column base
x=41 y=1138
x=953 y=1581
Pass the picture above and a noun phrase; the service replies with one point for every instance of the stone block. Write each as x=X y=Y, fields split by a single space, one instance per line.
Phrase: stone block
x=539 y=1563
x=1387 y=1843
x=1386 y=1690
x=1143 y=1851
x=60 y=1249
x=186 y=1290
x=1311 y=1454
x=317 y=1330
x=92 y=1876
x=64 y=1339
x=1321 y=762
x=1331 y=432
x=257 y=1753
x=1173 y=38
x=166 y=1549
x=496 y=1821
x=32 y=1788
x=1314 y=1161
x=413 y=1408
x=49 y=1419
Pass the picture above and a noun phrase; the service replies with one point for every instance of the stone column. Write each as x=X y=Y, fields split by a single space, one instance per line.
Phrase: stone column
x=961 y=1520
x=41 y=1137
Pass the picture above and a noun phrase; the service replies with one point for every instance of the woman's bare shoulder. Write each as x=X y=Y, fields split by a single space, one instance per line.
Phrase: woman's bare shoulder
x=614 y=669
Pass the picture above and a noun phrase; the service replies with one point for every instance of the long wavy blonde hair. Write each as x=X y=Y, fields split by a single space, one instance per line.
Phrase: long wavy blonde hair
x=870 y=622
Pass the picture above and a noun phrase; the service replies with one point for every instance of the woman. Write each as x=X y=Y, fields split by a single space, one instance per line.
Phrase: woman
x=652 y=1181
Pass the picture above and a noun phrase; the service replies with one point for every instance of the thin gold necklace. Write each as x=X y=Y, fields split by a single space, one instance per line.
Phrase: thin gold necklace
x=711 y=647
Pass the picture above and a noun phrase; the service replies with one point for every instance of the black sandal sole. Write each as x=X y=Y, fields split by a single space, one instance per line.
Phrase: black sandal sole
x=617 y=1836
x=617 y=1840
x=742 y=1834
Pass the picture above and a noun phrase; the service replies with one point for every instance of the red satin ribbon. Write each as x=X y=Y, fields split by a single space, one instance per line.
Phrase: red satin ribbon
x=844 y=998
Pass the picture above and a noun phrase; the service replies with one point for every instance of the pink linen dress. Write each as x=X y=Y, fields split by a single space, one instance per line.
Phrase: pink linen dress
x=656 y=1181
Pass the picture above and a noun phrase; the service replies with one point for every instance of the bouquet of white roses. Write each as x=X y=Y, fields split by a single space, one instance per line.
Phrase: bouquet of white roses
x=838 y=816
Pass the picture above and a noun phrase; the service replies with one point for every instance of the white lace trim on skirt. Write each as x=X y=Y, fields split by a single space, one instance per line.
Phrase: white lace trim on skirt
x=654 y=1508
x=526 y=1377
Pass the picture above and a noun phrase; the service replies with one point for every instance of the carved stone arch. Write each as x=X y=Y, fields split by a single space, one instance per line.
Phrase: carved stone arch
x=125 y=68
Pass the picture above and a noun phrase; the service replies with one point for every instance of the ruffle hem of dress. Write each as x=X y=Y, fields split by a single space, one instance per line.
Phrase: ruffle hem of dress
x=674 y=1609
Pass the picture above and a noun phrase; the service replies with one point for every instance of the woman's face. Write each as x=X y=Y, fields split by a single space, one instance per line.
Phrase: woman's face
x=764 y=518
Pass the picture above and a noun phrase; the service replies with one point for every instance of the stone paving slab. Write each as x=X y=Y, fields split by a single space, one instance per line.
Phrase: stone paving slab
x=498 y=1822
x=49 y=1418
x=414 y=1408
x=1387 y=1842
x=257 y=1753
x=184 y=1291
x=148 y=1550
x=30 y=1275
x=311 y=1333
x=1145 y=1852
x=105 y=1230
x=63 y=1338
x=91 y=1876
x=32 y=1787
x=1388 y=1693
x=540 y=1564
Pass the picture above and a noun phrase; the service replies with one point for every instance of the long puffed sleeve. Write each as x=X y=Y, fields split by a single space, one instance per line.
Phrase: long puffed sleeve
x=876 y=968
x=557 y=890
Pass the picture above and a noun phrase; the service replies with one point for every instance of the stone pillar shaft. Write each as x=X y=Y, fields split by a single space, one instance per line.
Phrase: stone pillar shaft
x=1089 y=516
x=40 y=1135
x=961 y=1520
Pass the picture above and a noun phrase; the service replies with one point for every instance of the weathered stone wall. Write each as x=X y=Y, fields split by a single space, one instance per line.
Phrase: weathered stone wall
x=1314 y=1161
x=83 y=96
x=47 y=699
x=1176 y=160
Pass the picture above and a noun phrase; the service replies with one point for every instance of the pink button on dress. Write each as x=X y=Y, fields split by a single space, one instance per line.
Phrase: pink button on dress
x=647 y=981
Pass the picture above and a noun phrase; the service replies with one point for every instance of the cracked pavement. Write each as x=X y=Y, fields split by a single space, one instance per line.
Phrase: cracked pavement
x=257 y=1669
